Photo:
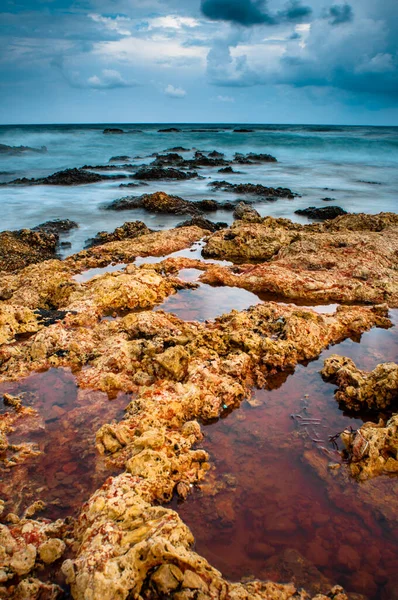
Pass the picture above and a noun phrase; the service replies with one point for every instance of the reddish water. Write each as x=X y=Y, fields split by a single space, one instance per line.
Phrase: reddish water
x=69 y=469
x=264 y=498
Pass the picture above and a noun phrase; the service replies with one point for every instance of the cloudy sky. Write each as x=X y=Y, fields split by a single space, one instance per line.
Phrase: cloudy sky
x=245 y=61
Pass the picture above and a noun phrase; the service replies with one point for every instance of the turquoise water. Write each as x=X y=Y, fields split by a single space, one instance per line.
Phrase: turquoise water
x=356 y=166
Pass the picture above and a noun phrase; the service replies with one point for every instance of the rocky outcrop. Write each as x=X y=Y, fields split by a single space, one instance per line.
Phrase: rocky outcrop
x=129 y=230
x=362 y=390
x=67 y=177
x=253 y=189
x=160 y=202
x=155 y=173
x=57 y=226
x=203 y=223
x=372 y=450
x=321 y=214
x=113 y=130
x=24 y=247
x=245 y=212
x=17 y=150
x=348 y=259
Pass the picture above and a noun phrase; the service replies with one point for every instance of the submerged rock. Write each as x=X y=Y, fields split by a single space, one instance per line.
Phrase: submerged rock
x=121 y=158
x=112 y=130
x=359 y=390
x=130 y=229
x=322 y=214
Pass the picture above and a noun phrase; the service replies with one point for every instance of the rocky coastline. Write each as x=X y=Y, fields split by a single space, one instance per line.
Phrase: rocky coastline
x=178 y=375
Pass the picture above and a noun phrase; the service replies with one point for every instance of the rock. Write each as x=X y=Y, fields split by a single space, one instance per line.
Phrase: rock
x=243 y=130
x=56 y=226
x=169 y=130
x=51 y=550
x=154 y=173
x=67 y=177
x=253 y=189
x=175 y=361
x=245 y=212
x=112 y=130
x=17 y=150
x=129 y=230
x=160 y=202
x=122 y=158
x=226 y=170
x=215 y=154
x=204 y=223
x=350 y=259
x=24 y=247
x=253 y=158
x=359 y=390
x=321 y=214
x=167 y=578
x=373 y=449
x=177 y=149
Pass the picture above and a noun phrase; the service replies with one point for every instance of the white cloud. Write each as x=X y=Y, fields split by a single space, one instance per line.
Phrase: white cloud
x=225 y=99
x=172 y=22
x=108 y=80
x=117 y=24
x=175 y=92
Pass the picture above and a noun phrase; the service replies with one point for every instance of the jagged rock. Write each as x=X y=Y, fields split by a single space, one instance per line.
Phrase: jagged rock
x=321 y=214
x=154 y=173
x=373 y=449
x=245 y=212
x=24 y=247
x=130 y=229
x=56 y=226
x=204 y=223
x=348 y=259
x=253 y=189
x=67 y=177
x=357 y=389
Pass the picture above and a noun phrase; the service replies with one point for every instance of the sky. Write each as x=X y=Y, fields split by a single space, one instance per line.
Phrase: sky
x=200 y=61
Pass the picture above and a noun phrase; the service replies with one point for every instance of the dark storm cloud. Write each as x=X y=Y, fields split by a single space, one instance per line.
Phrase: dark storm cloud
x=295 y=11
x=244 y=12
x=253 y=12
x=340 y=13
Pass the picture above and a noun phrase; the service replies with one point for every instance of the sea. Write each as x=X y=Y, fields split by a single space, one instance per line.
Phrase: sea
x=356 y=168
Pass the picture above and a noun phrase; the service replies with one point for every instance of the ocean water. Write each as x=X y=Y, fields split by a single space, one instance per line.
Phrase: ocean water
x=356 y=166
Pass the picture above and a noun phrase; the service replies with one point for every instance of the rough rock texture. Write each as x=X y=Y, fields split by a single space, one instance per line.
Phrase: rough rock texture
x=253 y=189
x=245 y=212
x=352 y=258
x=24 y=247
x=130 y=549
x=67 y=177
x=322 y=214
x=28 y=545
x=56 y=226
x=159 y=202
x=129 y=230
x=373 y=449
x=358 y=390
x=203 y=224
x=153 y=173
